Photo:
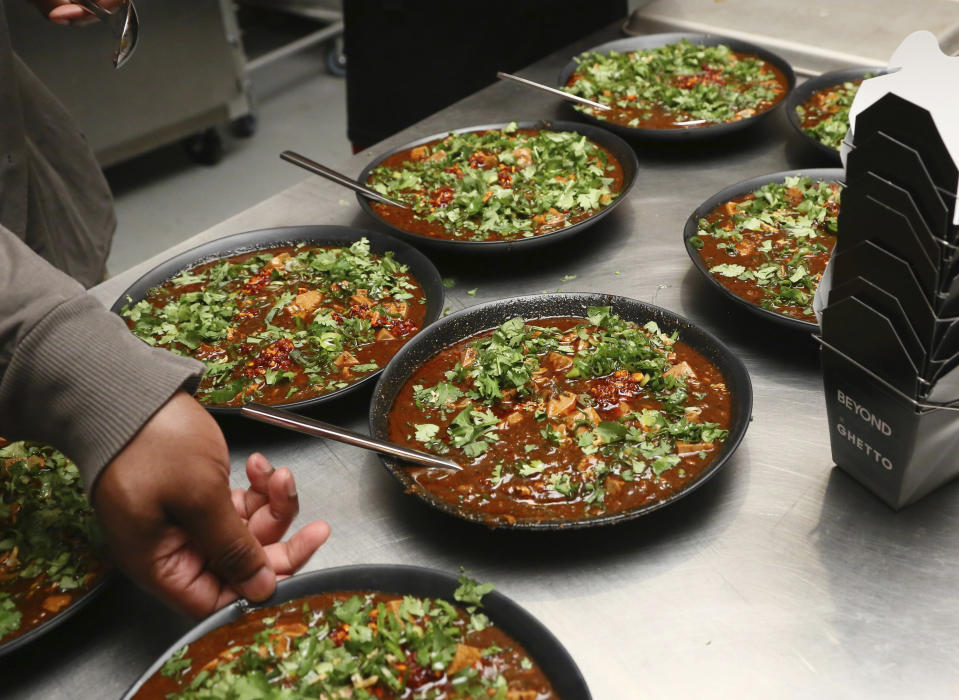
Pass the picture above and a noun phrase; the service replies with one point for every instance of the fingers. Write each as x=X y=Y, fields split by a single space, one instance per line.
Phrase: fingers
x=207 y=514
x=70 y=14
x=287 y=557
x=258 y=472
x=269 y=522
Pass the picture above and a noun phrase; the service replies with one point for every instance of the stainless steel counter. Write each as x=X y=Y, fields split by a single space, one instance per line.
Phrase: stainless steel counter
x=780 y=578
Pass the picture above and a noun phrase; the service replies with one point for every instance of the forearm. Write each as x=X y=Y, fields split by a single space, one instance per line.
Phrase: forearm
x=71 y=374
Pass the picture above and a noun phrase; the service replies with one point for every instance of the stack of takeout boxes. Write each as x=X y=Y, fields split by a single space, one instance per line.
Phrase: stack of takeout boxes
x=889 y=303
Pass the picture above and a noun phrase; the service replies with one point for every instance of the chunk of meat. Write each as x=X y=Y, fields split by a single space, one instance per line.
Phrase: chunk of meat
x=561 y=405
x=522 y=694
x=464 y=657
x=614 y=485
x=384 y=334
x=557 y=361
x=437 y=155
x=277 y=262
x=346 y=359
x=305 y=302
x=420 y=153
x=690 y=448
x=680 y=370
x=397 y=308
x=523 y=156
x=56 y=603
x=553 y=217
x=361 y=297
x=483 y=161
x=468 y=356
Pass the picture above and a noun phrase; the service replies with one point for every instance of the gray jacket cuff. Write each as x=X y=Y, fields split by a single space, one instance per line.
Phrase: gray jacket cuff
x=81 y=381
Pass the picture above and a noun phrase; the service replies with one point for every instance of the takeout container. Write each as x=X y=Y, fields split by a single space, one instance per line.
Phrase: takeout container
x=482 y=317
x=334 y=236
x=651 y=41
x=621 y=150
x=542 y=645
x=889 y=302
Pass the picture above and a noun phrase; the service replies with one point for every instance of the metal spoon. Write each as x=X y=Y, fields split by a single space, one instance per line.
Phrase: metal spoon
x=122 y=22
x=553 y=91
x=285 y=419
x=337 y=177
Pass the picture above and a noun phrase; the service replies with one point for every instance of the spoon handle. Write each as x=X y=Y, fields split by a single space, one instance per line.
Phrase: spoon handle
x=552 y=91
x=337 y=177
x=285 y=419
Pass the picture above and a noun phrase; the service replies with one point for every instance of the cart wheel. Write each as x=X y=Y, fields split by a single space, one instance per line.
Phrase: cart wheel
x=205 y=147
x=244 y=127
x=335 y=58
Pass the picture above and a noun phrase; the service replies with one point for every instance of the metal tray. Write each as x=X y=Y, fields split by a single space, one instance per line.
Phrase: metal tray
x=653 y=41
x=737 y=190
x=612 y=143
x=483 y=317
x=419 y=266
x=806 y=90
x=551 y=656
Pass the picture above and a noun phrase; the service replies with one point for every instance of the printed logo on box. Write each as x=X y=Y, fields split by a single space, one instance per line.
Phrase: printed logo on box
x=872 y=420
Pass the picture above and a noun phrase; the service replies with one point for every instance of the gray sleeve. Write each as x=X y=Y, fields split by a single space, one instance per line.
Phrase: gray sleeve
x=71 y=373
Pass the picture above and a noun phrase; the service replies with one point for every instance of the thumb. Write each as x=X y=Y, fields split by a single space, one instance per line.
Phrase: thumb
x=232 y=553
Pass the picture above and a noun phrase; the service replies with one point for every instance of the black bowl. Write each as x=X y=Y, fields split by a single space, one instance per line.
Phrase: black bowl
x=612 y=143
x=419 y=266
x=652 y=41
x=737 y=190
x=542 y=646
x=47 y=625
x=481 y=317
x=821 y=82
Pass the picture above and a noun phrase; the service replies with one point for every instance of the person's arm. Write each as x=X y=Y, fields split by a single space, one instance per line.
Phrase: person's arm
x=153 y=460
x=71 y=374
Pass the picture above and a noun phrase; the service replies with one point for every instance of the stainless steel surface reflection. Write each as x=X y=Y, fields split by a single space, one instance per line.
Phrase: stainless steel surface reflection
x=781 y=578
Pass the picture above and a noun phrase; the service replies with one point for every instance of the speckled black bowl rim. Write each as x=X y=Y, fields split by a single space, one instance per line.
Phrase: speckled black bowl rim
x=737 y=190
x=419 y=266
x=539 y=642
x=47 y=625
x=820 y=82
x=620 y=149
x=481 y=317
x=652 y=41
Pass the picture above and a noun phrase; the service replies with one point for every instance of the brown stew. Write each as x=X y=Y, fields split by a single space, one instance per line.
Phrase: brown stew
x=356 y=645
x=771 y=246
x=825 y=115
x=49 y=541
x=563 y=418
x=285 y=324
x=498 y=185
x=677 y=86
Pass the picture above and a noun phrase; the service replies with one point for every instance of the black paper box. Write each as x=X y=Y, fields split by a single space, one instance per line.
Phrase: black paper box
x=898 y=448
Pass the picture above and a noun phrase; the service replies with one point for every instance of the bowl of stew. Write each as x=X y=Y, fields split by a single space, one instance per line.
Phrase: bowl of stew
x=370 y=631
x=293 y=316
x=819 y=108
x=52 y=558
x=765 y=242
x=565 y=410
x=678 y=86
x=500 y=187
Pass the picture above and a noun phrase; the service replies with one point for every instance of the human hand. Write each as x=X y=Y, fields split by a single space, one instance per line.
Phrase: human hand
x=174 y=527
x=65 y=12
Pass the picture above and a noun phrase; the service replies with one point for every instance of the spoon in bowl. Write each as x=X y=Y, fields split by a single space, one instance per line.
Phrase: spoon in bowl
x=553 y=91
x=309 y=426
x=337 y=177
